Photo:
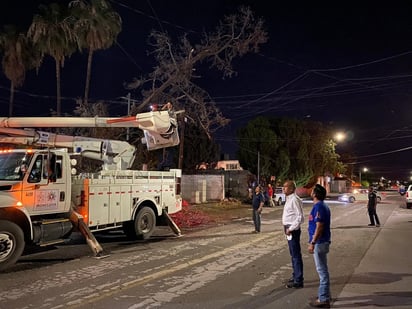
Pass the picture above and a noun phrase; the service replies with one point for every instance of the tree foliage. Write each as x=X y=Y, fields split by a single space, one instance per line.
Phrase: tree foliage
x=58 y=31
x=289 y=149
x=52 y=33
x=257 y=142
x=198 y=147
x=96 y=27
x=18 y=57
x=178 y=65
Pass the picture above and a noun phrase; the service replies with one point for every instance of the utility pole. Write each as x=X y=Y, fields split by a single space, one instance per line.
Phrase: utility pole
x=182 y=138
x=258 y=169
x=128 y=114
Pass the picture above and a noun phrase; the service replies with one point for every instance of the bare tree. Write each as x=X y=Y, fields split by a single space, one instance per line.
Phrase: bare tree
x=173 y=77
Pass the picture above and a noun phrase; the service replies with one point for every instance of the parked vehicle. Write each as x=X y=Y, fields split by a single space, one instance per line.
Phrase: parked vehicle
x=358 y=195
x=408 y=197
x=279 y=196
x=44 y=198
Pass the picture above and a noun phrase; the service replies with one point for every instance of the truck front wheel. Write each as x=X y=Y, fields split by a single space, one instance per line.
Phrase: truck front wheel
x=11 y=243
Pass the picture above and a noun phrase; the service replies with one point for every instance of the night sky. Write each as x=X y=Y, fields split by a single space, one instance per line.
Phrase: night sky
x=348 y=65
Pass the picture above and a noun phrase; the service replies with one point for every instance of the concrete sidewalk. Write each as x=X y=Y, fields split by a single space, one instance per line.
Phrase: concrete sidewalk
x=384 y=276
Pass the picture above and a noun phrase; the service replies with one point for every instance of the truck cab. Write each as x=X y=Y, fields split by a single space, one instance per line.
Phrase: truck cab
x=37 y=180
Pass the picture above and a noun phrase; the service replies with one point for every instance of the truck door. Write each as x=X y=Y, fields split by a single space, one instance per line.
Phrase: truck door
x=44 y=186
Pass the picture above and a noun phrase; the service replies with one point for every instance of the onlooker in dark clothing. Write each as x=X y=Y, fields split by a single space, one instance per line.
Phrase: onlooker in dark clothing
x=372 y=202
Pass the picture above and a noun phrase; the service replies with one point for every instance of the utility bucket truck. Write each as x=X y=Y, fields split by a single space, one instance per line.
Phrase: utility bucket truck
x=43 y=198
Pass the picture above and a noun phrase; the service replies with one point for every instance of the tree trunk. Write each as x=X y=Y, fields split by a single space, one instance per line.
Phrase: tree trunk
x=58 y=90
x=88 y=76
x=11 y=100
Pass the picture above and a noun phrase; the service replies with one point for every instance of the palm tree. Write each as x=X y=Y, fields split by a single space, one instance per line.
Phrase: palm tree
x=16 y=60
x=96 y=27
x=52 y=32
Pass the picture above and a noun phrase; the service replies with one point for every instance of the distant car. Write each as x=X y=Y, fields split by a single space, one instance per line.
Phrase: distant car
x=279 y=197
x=408 y=197
x=358 y=195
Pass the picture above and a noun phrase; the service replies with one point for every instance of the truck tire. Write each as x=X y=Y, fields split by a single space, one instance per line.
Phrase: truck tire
x=143 y=225
x=11 y=243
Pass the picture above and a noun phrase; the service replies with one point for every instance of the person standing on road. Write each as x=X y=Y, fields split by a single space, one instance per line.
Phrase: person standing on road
x=292 y=218
x=319 y=241
x=270 y=195
x=372 y=202
x=258 y=201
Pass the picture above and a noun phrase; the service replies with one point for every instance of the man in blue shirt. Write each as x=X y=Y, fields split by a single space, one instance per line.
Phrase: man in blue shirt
x=319 y=241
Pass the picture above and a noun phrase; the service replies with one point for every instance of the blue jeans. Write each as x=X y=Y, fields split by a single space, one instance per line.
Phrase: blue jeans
x=321 y=262
x=296 y=255
x=256 y=219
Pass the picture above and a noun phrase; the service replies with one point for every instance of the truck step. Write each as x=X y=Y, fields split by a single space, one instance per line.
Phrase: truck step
x=52 y=242
x=51 y=221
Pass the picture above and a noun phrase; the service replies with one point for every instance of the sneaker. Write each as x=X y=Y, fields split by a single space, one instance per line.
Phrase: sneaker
x=377 y=225
x=294 y=285
x=319 y=304
x=371 y=224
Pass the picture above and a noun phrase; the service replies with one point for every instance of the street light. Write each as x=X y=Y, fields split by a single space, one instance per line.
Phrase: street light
x=340 y=136
x=365 y=169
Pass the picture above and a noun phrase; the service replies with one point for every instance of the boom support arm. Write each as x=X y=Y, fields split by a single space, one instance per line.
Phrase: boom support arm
x=159 y=127
x=114 y=154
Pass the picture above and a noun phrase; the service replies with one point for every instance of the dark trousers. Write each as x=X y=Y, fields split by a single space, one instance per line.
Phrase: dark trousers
x=296 y=255
x=373 y=216
x=256 y=219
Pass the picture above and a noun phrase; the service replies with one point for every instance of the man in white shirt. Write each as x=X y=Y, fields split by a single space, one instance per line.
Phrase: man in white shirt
x=292 y=218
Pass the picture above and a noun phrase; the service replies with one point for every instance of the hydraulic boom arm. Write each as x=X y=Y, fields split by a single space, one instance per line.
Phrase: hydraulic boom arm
x=159 y=127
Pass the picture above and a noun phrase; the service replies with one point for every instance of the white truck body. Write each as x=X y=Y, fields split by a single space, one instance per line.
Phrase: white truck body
x=120 y=194
x=43 y=199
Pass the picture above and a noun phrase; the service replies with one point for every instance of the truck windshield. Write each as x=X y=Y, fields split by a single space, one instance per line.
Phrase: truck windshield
x=13 y=165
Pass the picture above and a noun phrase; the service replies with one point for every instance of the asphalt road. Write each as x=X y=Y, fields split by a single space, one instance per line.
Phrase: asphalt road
x=223 y=267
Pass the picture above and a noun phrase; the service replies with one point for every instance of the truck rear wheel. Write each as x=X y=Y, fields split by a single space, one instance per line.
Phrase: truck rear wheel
x=11 y=243
x=145 y=223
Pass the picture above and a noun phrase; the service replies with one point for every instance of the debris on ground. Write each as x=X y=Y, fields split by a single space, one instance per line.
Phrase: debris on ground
x=210 y=213
x=189 y=216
